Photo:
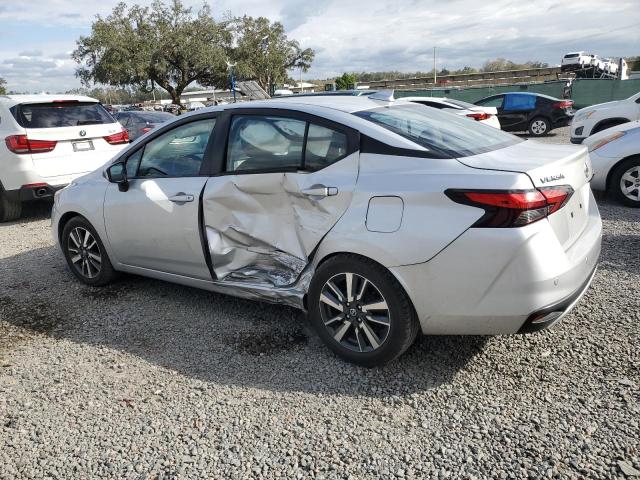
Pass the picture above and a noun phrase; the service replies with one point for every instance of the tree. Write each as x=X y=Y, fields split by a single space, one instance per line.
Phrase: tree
x=165 y=45
x=3 y=82
x=345 y=80
x=264 y=53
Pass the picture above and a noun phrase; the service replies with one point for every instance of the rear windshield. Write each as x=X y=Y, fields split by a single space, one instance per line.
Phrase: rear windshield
x=572 y=55
x=461 y=104
x=62 y=114
x=438 y=131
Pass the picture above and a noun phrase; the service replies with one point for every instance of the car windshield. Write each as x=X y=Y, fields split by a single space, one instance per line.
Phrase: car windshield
x=60 y=114
x=438 y=131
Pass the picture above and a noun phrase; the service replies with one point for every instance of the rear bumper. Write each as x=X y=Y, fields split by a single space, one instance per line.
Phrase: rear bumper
x=491 y=281
x=29 y=193
x=552 y=314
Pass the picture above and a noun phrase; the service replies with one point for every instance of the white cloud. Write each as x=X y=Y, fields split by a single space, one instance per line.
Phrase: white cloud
x=361 y=35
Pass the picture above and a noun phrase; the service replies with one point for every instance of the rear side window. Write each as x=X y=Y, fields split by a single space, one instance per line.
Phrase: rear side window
x=268 y=143
x=516 y=102
x=60 y=114
x=492 y=102
x=324 y=147
x=265 y=143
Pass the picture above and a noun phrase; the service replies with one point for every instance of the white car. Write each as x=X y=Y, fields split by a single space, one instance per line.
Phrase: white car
x=49 y=140
x=615 y=156
x=379 y=218
x=486 y=115
x=576 y=61
x=594 y=119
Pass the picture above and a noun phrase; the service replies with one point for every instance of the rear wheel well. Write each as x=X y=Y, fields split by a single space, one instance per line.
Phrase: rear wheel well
x=608 y=123
x=361 y=257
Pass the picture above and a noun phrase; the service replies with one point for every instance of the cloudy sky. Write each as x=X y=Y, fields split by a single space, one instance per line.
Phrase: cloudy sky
x=36 y=36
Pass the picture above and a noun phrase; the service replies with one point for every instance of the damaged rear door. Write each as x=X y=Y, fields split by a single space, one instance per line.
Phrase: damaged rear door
x=285 y=180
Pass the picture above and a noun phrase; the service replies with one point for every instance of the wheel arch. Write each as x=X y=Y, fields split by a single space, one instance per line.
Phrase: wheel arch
x=615 y=166
x=319 y=261
x=64 y=219
x=612 y=122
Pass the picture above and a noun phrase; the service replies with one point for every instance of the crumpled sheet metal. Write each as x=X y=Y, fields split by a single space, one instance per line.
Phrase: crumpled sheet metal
x=261 y=229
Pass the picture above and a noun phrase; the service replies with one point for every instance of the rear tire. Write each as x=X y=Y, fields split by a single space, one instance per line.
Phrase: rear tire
x=9 y=209
x=624 y=184
x=85 y=253
x=539 y=127
x=376 y=326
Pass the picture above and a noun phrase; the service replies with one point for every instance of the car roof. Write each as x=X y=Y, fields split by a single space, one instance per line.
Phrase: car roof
x=12 y=100
x=344 y=103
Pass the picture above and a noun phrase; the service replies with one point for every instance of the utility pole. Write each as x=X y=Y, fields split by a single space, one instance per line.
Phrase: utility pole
x=435 y=72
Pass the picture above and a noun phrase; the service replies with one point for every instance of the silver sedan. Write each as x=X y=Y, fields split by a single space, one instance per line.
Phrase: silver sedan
x=381 y=219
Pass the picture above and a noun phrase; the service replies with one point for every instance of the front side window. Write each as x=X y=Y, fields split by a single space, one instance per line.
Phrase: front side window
x=178 y=152
x=441 y=133
x=265 y=143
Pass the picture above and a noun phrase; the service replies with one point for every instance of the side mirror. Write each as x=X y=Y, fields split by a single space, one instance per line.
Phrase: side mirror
x=117 y=173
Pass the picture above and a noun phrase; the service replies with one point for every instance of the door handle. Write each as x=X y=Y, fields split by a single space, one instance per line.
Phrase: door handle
x=181 y=197
x=320 y=191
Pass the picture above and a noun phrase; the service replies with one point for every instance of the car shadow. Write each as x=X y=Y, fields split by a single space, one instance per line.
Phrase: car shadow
x=208 y=336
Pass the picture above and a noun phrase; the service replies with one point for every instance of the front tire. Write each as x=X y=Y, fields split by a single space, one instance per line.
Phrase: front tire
x=539 y=127
x=625 y=182
x=360 y=311
x=85 y=253
x=9 y=209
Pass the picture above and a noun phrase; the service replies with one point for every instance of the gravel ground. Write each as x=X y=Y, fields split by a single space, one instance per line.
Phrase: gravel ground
x=147 y=380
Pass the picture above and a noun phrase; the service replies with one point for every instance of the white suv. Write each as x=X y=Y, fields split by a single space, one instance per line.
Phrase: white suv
x=576 y=61
x=596 y=118
x=49 y=140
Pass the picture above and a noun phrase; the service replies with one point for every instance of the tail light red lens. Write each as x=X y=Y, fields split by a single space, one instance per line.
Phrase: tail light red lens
x=563 y=104
x=21 y=144
x=513 y=208
x=479 y=116
x=118 y=138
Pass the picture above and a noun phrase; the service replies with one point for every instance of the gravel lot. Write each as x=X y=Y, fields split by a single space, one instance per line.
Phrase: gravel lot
x=148 y=380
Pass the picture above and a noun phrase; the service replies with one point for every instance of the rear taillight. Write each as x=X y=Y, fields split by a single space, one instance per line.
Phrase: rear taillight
x=479 y=116
x=563 y=104
x=22 y=144
x=118 y=138
x=513 y=208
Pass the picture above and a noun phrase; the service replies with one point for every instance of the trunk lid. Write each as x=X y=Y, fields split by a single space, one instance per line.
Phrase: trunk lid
x=547 y=166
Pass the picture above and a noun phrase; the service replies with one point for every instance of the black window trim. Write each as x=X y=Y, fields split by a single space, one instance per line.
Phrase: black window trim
x=219 y=163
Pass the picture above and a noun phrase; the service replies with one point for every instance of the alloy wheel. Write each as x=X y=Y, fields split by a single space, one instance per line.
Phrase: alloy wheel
x=355 y=312
x=630 y=183
x=84 y=252
x=539 y=127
